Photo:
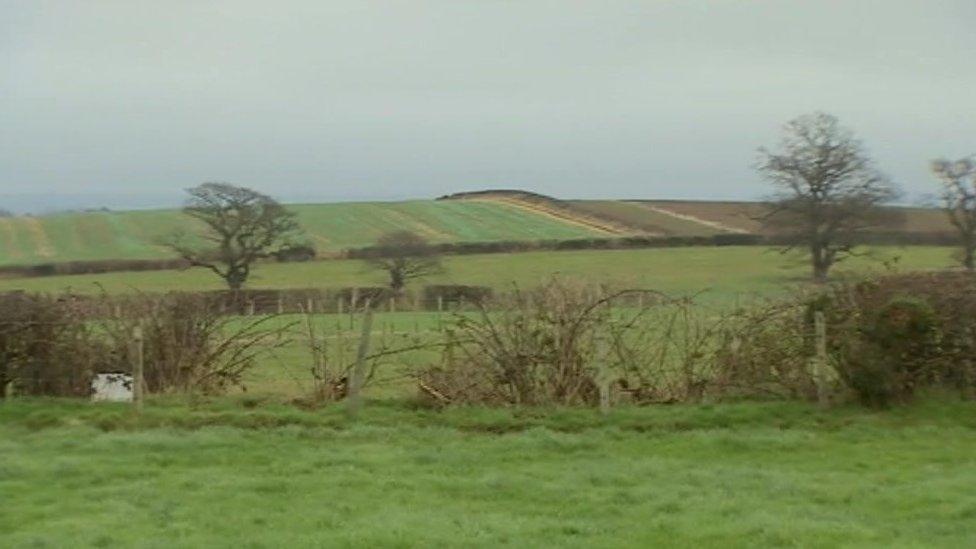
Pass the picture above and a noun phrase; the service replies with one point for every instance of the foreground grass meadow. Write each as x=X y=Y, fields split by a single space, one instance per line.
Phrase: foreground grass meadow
x=247 y=473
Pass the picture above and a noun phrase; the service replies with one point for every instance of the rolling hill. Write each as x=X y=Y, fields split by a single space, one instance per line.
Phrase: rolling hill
x=330 y=227
x=485 y=216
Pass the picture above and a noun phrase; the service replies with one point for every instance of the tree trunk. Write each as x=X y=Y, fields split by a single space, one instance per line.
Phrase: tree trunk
x=820 y=264
x=235 y=280
x=397 y=282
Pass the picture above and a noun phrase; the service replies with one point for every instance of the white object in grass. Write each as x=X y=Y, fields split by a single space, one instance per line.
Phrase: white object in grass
x=112 y=388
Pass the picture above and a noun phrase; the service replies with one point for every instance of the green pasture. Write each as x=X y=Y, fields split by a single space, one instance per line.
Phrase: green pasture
x=262 y=467
x=330 y=227
x=723 y=273
x=244 y=472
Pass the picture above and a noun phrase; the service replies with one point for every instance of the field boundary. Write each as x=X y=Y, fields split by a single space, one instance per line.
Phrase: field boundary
x=487 y=247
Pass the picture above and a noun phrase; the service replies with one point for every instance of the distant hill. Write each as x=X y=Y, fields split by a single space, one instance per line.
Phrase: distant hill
x=486 y=216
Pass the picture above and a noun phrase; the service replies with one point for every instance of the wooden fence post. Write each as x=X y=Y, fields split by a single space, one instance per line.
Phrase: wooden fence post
x=603 y=376
x=138 y=377
x=820 y=362
x=359 y=369
x=353 y=301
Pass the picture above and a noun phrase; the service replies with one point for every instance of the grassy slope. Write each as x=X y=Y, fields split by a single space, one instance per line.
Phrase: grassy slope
x=332 y=227
x=735 y=475
x=726 y=271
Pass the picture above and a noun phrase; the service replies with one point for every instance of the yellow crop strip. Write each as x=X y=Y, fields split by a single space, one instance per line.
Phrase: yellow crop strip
x=8 y=239
x=420 y=227
x=42 y=244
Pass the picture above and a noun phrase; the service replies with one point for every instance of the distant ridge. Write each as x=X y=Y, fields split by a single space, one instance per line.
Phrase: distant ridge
x=493 y=220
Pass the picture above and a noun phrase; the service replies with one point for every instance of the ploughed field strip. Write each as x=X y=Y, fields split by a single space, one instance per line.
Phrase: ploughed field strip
x=647 y=220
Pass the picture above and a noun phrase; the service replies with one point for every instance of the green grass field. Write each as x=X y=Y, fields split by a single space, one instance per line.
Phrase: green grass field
x=244 y=473
x=330 y=227
x=724 y=272
x=253 y=469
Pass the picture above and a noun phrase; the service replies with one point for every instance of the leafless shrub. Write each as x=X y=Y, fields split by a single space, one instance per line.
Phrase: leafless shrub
x=765 y=350
x=189 y=345
x=564 y=343
x=666 y=352
x=332 y=349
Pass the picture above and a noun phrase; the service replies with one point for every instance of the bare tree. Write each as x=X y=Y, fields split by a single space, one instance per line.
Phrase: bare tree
x=827 y=191
x=241 y=227
x=405 y=256
x=959 y=202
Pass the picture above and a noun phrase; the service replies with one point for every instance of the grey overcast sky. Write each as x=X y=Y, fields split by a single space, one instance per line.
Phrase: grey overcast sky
x=126 y=102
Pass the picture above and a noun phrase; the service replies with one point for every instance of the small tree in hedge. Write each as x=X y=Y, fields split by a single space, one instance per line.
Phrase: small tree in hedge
x=405 y=256
x=959 y=202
